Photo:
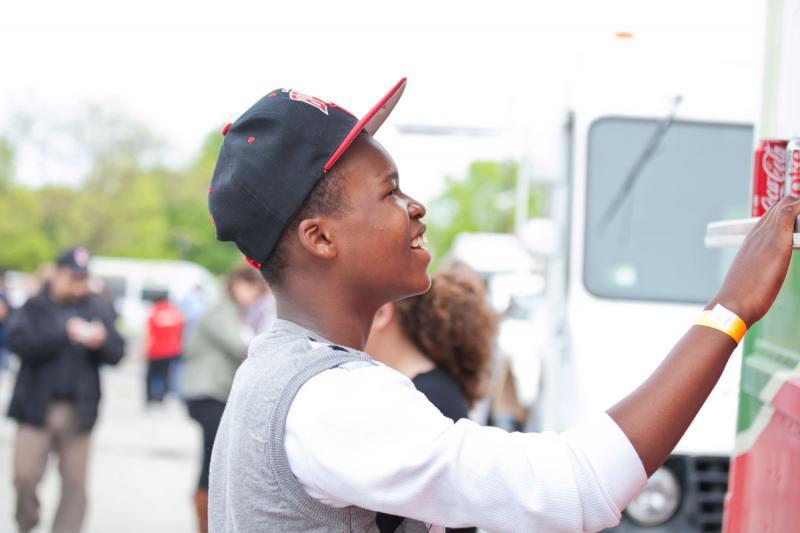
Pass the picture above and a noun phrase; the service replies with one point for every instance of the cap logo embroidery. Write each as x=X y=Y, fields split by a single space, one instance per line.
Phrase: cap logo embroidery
x=81 y=256
x=310 y=100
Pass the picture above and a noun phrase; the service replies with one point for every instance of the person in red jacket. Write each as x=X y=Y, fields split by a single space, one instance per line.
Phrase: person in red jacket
x=164 y=345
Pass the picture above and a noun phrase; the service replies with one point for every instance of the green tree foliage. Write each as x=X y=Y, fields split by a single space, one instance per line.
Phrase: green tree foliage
x=20 y=244
x=23 y=245
x=127 y=205
x=190 y=226
x=482 y=201
x=6 y=164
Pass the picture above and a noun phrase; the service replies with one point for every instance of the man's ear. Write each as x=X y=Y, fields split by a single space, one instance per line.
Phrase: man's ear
x=383 y=316
x=315 y=236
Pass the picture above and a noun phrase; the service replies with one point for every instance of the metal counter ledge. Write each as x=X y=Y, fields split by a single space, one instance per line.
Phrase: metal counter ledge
x=731 y=233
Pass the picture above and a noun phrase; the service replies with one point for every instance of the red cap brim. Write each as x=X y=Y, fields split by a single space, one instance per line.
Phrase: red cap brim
x=371 y=121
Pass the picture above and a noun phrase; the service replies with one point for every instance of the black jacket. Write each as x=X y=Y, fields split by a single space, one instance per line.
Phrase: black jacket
x=53 y=367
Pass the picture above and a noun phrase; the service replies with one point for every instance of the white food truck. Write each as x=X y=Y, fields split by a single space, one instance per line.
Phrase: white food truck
x=656 y=148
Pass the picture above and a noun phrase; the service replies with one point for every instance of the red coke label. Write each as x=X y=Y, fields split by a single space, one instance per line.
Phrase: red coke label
x=793 y=167
x=769 y=175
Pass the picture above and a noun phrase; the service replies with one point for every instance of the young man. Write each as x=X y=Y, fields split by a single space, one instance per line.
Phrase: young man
x=317 y=436
x=62 y=335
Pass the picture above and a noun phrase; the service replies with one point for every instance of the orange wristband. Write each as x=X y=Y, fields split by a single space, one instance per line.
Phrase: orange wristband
x=724 y=320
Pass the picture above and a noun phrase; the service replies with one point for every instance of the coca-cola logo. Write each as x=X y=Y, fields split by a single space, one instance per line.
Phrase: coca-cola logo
x=773 y=163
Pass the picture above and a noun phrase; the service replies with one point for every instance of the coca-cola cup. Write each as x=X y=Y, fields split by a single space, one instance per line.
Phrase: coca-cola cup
x=793 y=167
x=769 y=175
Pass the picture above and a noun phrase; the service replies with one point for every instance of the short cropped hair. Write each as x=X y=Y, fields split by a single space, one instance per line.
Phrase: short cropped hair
x=327 y=198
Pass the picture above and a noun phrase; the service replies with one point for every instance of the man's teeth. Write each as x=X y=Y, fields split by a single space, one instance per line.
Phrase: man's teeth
x=419 y=242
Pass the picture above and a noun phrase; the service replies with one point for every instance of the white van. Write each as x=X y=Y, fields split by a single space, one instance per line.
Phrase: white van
x=131 y=284
x=646 y=172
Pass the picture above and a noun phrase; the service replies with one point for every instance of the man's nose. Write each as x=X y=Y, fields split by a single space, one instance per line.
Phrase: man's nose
x=416 y=210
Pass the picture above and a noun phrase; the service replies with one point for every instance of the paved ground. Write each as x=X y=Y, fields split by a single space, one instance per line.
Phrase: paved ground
x=144 y=462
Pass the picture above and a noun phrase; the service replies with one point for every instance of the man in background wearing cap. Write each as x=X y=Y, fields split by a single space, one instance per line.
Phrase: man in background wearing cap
x=318 y=437
x=61 y=335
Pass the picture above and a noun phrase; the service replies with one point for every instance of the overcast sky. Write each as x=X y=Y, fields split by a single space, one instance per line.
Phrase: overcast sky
x=186 y=68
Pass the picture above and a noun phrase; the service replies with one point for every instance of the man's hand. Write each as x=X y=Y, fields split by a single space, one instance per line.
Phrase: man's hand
x=97 y=336
x=90 y=334
x=3 y=312
x=76 y=329
x=756 y=275
x=656 y=415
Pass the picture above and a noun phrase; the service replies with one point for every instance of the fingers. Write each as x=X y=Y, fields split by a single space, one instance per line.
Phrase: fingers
x=783 y=214
x=789 y=209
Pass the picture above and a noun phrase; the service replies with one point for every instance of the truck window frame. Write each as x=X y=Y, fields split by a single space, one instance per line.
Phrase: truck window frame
x=588 y=155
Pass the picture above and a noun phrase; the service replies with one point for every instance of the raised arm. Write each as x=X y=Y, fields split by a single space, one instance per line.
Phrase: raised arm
x=656 y=415
x=394 y=452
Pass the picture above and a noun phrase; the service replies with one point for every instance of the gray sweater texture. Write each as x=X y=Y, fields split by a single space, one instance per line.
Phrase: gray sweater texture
x=252 y=487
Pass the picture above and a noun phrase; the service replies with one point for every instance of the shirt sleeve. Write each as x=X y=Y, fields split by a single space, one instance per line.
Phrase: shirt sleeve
x=363 y=435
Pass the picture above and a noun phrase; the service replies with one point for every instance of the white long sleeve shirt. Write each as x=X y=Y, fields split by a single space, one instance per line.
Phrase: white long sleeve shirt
x=362 y=435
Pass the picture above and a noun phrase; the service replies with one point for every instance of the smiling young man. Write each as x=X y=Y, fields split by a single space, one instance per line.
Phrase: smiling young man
x=317 y=436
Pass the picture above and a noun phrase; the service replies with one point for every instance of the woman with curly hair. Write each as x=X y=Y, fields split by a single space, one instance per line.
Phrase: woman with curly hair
x=442 y=340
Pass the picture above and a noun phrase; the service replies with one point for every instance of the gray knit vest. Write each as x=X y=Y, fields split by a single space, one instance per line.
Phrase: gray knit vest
x=252 y=488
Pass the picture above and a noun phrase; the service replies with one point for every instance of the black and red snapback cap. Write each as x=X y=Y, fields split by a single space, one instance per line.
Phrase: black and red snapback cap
x=271 y=159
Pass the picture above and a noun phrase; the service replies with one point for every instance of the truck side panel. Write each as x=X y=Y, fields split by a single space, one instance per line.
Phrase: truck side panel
x=764 y=492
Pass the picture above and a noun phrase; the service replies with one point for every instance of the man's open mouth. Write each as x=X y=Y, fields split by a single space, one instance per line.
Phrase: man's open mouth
x=420 y=242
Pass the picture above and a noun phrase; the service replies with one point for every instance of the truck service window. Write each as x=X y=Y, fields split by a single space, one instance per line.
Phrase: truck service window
x=649 y=246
